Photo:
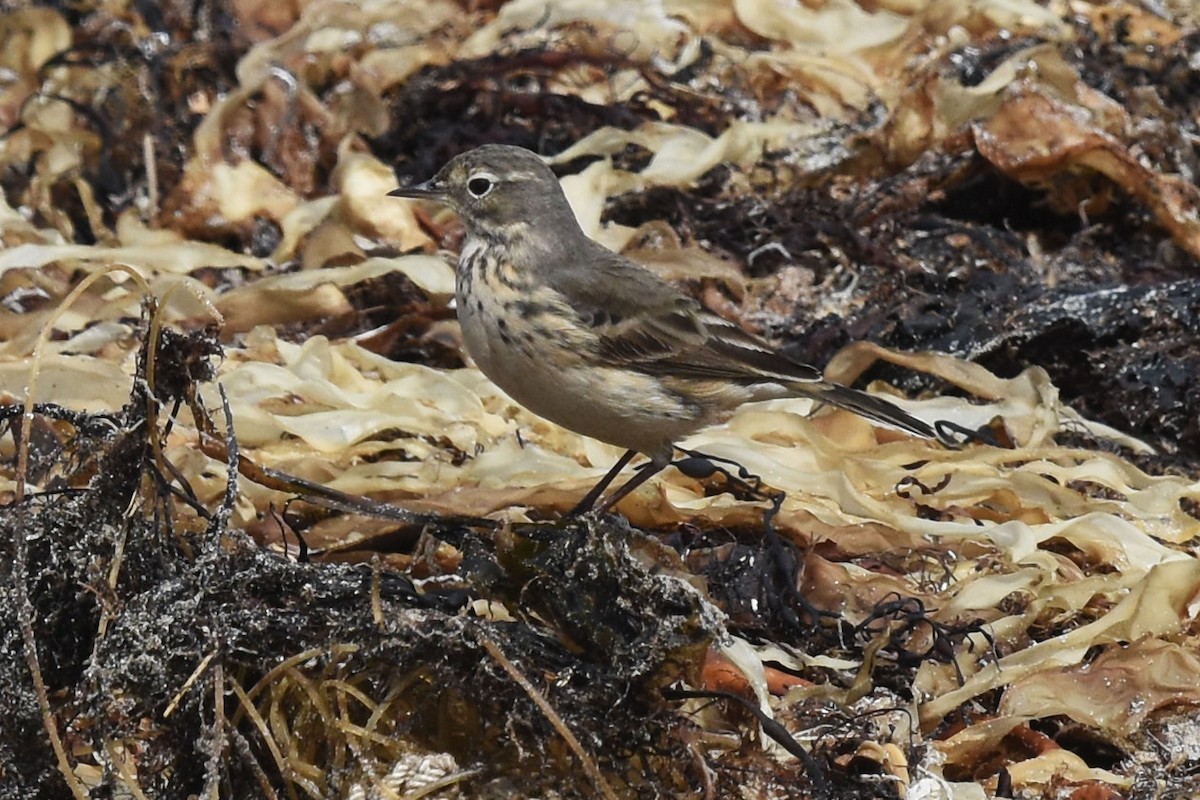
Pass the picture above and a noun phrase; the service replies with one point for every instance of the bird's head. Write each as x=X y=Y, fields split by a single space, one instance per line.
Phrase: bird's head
x=498 y=190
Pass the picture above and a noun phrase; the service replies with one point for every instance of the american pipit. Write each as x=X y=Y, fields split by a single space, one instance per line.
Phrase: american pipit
x=592 y=341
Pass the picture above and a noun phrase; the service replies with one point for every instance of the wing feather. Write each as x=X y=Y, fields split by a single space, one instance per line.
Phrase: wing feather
x=643 y=323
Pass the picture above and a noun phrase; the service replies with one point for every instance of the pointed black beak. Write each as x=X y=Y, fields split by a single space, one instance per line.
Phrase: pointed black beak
x=421 y=191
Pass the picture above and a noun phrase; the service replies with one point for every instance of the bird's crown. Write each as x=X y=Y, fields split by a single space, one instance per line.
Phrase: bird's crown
x=497 y=187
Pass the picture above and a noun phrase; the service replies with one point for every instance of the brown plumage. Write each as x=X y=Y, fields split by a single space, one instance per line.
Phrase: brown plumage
x=593 y=341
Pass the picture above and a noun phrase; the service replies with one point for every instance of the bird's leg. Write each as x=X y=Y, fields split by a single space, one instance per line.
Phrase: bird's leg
x=696 y=465
x=589 y=499
x=643 y=474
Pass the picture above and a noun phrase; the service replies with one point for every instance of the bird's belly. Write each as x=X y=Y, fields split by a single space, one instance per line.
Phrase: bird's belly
x=550 y=376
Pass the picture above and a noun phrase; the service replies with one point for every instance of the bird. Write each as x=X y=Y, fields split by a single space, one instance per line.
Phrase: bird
x=593 y=341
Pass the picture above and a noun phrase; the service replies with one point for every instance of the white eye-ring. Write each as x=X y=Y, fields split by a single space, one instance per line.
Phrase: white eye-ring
x=481 y=184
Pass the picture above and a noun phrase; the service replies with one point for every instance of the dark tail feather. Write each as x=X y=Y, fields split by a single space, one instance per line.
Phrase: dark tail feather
x=869 y=406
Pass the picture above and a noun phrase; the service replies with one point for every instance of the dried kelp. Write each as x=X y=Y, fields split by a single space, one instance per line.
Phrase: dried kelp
x=272 y=538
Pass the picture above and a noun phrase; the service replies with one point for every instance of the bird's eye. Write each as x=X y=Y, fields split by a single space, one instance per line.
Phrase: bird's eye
x=480 y=185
